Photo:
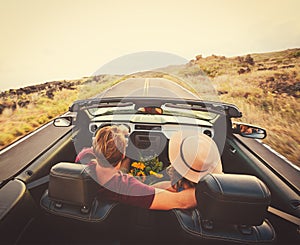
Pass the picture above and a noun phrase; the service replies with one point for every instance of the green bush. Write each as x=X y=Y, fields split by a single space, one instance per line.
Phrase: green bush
x=297 y=54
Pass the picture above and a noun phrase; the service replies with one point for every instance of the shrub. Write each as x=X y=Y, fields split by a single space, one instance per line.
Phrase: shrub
x=6 y=138
x=297 y=54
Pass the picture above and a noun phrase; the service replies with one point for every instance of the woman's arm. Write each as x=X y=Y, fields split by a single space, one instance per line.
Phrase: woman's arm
x=166 y=200
x=165 y=185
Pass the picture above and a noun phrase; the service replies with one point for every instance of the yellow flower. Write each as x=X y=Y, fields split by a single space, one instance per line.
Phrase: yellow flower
x=138 y=165
x=142 y=166
x=140 y=173
x=147 y=166
x=156 y=174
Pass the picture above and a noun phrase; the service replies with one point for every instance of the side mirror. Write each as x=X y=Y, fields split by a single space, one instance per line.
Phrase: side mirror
x=248 y=131
x=63 y=121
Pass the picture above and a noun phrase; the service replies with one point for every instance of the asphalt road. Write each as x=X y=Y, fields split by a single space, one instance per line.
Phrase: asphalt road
x=147 y=87
x=24 y=151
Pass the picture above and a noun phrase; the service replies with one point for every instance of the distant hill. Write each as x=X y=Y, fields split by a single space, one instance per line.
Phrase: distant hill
x=281 y=69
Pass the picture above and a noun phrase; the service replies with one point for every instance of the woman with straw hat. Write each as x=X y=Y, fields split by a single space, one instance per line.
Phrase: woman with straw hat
x=192 y=155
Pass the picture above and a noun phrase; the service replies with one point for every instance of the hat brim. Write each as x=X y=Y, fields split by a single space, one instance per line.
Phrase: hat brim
x=179 y=164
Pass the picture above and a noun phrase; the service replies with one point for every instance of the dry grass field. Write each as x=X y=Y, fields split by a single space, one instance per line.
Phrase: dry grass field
x=266 y=88
x=21 y=113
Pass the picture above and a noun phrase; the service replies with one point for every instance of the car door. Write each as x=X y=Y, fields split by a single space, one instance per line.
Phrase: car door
x=284 y=212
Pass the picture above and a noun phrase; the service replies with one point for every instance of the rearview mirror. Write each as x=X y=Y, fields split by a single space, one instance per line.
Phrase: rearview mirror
x=63 y=121
x=248 y=131
x=151 y=110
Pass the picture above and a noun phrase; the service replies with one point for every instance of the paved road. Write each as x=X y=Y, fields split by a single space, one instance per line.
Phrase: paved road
x=148 y=87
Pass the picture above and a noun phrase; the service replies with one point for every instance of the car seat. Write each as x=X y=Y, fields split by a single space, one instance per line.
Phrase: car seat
x=231 y=208
x=72 y=193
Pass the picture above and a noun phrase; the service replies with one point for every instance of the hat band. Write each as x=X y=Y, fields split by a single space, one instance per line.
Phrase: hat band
x=185 y=162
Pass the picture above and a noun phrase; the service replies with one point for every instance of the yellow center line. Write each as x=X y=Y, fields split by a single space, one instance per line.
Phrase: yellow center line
x=146 y=87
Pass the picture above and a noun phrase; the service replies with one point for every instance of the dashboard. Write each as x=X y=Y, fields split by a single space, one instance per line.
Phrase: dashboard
x=148 y=139
x=166 y=129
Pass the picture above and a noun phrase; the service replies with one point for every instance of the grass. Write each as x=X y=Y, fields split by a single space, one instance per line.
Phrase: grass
x=267 y=98
x=278 y=114
x=17 y=123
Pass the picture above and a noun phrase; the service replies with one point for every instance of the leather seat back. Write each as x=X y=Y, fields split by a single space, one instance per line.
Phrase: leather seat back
x=231 y=209
x=233 y=199
x=73 y=192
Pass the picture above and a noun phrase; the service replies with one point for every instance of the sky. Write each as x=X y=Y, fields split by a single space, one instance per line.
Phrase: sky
x=44 y=40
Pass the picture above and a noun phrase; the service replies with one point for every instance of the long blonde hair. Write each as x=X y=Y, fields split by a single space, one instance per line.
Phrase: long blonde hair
x=109 y=146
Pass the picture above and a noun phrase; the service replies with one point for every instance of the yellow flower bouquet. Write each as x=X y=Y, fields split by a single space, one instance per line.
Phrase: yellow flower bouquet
x=149 y=166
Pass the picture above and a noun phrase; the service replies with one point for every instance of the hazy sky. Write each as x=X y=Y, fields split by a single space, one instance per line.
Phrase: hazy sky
x=43 y=40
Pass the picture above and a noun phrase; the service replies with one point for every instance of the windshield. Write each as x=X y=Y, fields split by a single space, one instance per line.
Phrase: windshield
x=166 y=110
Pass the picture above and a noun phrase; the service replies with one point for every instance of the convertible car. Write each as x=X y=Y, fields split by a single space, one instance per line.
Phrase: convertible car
x=54 y=199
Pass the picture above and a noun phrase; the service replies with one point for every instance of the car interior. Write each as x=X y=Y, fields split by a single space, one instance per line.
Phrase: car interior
x=232 y=208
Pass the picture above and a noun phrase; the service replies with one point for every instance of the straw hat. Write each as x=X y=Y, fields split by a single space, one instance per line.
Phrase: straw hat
x=194 y=155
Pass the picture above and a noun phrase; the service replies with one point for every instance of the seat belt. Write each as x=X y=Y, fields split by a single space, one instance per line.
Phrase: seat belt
x=38 y=182
x=286 y=216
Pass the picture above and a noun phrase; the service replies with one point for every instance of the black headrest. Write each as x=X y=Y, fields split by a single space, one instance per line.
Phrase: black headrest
x=71 y=183
x=232 y=199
